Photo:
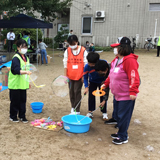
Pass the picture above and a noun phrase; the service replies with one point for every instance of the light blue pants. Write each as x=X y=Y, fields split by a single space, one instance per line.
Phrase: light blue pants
x=44 y=53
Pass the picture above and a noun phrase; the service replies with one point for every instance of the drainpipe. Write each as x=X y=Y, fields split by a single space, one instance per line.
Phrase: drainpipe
x=155 y=28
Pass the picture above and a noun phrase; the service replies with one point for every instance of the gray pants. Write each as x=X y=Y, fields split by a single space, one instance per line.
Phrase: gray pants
x=75 y=93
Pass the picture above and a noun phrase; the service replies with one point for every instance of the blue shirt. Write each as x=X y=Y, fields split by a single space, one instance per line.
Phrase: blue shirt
x=29 y=43
x=93 y=76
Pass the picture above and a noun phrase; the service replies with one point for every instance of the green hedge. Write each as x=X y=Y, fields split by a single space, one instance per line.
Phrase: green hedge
x=48 y=41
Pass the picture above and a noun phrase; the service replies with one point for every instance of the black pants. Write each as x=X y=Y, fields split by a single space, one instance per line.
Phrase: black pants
x=158 y=49
x=18 y=103
x=114 y=114
x=10 y=44
x=92 y=100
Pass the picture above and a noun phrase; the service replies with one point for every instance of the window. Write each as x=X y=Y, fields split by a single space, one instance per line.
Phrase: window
x=154 y=6
x=86 y=25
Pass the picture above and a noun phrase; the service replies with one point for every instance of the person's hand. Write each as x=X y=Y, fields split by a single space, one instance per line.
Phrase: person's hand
x=29 y=86
x=103 y=86
x=102 y=104
x=86 y=90
x=28 y=72
x=132 y=97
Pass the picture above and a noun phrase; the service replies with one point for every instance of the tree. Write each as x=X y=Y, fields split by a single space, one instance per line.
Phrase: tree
x=48 y=8
x=62 y=35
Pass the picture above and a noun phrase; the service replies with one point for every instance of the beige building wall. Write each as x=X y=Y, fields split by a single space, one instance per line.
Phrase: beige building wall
x=122 y=18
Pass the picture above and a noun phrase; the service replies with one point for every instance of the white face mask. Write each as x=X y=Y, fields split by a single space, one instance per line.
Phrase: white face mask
x=73 y=47
x=23 y=51
x=115 y=51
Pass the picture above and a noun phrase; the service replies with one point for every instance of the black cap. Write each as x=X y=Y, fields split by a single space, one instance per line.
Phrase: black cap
x=125 y=41
x=122 y=41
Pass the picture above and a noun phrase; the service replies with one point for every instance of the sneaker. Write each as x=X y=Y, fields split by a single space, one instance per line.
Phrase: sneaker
x=116 y=126
x=119 y=141
x=111 y=121
x=73 y=113
x=90 y=115
x=105 y=117
x=14 y=120
x=72 y=110
x=114 y=136
x=24 y=120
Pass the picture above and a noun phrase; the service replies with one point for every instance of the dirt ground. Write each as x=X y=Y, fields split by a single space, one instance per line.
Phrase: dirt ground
x=20 y=141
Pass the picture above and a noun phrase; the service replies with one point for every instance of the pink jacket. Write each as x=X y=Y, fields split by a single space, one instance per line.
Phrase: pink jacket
x=123 y=79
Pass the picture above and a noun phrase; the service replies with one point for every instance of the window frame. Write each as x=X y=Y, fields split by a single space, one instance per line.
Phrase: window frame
x=153 y=10
x=90 y=26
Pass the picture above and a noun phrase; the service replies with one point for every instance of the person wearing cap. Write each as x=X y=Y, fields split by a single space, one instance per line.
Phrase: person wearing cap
x=124 y=82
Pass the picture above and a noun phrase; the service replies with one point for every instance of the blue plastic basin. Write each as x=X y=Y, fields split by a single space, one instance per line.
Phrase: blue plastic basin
x=37 y=107
x=71 y=124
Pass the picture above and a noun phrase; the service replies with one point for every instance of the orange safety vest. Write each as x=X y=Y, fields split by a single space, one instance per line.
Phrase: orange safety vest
x=75 y=64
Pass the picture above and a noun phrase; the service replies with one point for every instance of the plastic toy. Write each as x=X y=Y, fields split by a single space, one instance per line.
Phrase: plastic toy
x=51 y=127
x=99 y=93
x=59 y=124
x=47 y=123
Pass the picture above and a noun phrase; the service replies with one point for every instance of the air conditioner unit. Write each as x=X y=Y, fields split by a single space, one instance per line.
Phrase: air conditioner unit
x=100 y=14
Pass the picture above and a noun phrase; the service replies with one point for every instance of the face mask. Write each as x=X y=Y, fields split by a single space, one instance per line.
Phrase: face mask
x=23 y=51
x=115 y=51
x=73 y=47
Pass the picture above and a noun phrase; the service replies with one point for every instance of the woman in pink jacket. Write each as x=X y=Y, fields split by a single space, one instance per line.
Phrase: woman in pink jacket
x=124 y=82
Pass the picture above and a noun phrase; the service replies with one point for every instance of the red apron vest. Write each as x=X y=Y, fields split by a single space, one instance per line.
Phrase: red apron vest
x=75 y=64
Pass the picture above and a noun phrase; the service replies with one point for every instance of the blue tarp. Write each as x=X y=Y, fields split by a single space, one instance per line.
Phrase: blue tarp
x=3 y=87
x=24 y=21
x=8 y=64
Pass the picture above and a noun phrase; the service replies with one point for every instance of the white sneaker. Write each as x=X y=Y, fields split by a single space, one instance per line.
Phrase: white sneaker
x=105 y=116
x=72 y=110
x=73 y=113
x=90 y=115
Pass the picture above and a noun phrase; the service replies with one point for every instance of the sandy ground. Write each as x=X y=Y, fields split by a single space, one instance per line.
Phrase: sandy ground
x=20 y=141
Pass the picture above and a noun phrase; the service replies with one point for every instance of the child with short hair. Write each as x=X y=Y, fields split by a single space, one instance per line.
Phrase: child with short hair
x=87 y=46
x=17 y=85
x=92 y=47
x=95 y=80
x=74 y=62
